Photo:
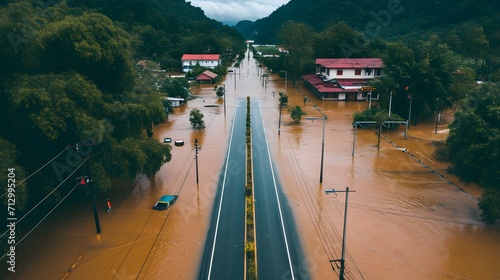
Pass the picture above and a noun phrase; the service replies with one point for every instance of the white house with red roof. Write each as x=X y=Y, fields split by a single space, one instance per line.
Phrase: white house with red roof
x=344 y=78
x=204 y=60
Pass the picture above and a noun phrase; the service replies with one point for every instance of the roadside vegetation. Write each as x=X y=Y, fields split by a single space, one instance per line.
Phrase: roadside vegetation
x=250 y=252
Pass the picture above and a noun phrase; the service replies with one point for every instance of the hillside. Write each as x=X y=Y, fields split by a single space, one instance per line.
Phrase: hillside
x=167 y=29
x=386 y=19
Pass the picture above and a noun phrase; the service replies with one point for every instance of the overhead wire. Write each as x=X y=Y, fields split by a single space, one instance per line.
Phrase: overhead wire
x=51 y=192
x=323 y=223
x=310 y=203
x=50 y=212
x=39 y=169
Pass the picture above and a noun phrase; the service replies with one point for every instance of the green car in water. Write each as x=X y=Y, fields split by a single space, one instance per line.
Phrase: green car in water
x=165 y=201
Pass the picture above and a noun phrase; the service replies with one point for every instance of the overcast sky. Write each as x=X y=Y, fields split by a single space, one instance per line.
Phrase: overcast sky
x=232 y=11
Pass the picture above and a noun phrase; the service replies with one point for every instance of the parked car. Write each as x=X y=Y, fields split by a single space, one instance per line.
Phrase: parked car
x=167 y=140
x=165 y=202
x=179 y=142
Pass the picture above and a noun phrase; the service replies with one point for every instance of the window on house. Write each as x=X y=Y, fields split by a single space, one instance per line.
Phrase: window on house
x=340 y=72
x=328 y=72
x=377 y=72
x=357 y=72
x=368 y=71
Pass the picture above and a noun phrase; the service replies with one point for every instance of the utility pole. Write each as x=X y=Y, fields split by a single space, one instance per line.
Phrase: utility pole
x=196 y=157
x=279 y=122
x=437 y=115
x=390 y=103
x=85 y=181
x=342 y=260
x=370 y=102
x=224 y=100
x=322 y=142
x=409 y=112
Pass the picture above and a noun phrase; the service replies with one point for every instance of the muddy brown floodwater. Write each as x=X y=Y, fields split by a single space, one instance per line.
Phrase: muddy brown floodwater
x=407 y=219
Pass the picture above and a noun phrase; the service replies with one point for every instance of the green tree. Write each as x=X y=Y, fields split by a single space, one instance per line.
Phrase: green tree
x=474 y=145
x=422 y=71
x=220 y=91
x=92 y=45
x=196 y=119
x=477 y=45
x=297 y=39
x=176 y=88
x=339 y=40
x=296 y=113
x=8 y=153
x=283 y=99
x=65 y=107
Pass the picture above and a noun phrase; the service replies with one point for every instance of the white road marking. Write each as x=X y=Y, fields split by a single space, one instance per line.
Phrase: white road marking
x=221 y=197
x=278 y=200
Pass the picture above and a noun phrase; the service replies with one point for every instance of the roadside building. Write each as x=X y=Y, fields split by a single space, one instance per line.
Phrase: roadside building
x=204 y=60
x=207 y=77
x=344 y=78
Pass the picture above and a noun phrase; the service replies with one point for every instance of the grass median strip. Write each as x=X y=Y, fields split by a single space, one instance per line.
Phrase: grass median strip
x=250 y=255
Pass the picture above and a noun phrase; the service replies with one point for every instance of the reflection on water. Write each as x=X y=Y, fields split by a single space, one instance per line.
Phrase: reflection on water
x=404 y=220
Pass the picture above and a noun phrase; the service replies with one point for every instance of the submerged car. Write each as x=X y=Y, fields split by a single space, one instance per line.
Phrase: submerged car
x=165 y=202
x=179 y=142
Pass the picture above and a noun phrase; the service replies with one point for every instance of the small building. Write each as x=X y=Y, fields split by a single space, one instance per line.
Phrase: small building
x=207 y=77
x=175 y=101
x=204 y=60
x=344 y=78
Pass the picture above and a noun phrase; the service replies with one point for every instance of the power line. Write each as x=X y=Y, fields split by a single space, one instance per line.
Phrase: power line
x=50 y=161
x=47 y=195
x=50 y=212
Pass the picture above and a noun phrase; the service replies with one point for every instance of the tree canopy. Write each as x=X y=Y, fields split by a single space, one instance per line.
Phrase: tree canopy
x=474 y=145
x=71 y=83
x=196 y=119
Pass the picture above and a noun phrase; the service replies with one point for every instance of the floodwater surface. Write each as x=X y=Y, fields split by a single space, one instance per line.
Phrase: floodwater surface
x=407 y=218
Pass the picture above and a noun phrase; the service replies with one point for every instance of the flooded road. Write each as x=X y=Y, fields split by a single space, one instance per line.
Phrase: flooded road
x=405 y=221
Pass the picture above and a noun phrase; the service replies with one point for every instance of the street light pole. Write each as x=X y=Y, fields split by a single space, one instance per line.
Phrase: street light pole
x=342 y=260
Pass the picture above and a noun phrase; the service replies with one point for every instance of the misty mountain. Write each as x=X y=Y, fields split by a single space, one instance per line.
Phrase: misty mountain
x=379 y=18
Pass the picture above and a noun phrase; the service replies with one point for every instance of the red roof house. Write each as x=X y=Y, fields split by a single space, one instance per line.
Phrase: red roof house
x=204 y=60
x=343 y=78
x=206 y=77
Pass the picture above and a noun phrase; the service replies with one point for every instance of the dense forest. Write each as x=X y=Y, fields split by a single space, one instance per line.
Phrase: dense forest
x=75 y=102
